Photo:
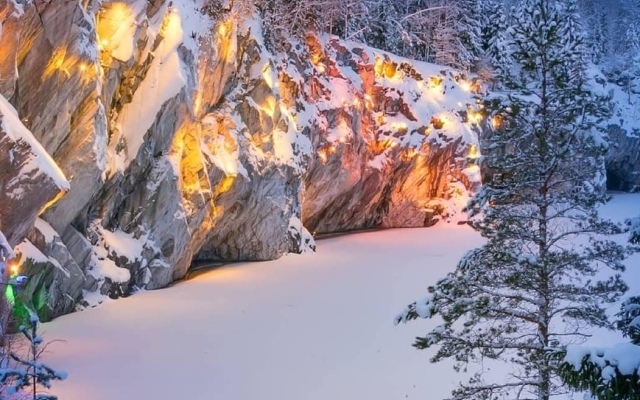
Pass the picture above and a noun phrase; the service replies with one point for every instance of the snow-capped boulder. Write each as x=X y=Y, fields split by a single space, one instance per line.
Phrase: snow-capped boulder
x=55 y=276
x=29 y=178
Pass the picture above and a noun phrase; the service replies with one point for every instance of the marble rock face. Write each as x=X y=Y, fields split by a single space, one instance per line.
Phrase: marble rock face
x=29 y=178
x=623 y=160
x=185 y=138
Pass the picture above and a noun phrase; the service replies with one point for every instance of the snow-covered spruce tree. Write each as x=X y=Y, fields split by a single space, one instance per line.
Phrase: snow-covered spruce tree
x=495 y=55
x=22 y=375
x=602 y=372
x=532 y=288
x=609 y=374
x=634 y=230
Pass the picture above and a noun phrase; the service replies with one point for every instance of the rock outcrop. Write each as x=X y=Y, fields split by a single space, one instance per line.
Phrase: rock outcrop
x=185 y=138
x=29 y=178
x=623 y=160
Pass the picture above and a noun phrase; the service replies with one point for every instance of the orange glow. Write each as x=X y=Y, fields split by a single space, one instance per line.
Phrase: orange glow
x=473 y=152
x=381 y=145
x=438 y=122
x=408 y=154
x=324 y=153
x=197 y=104
x=466 y=86
x=345 y=105
x=56 y=62
x=222 y=29
x=316 y=57
x=399 y=126
x=269 y=106
x=368 y=101
x=53 y=201
x=226 y=184
x=83 y=67
x=474 y=117
x=356 y=102
x=435 y=82
x=171 y=25
x=111 y=20
x=389 y=70
x=266 y=74
x=377 y=67
x=496 y=121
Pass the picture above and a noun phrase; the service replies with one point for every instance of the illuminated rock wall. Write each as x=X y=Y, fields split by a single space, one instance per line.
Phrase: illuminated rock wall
x=185 y=138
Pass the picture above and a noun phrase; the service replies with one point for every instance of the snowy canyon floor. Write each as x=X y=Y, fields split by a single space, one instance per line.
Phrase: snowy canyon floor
x=304 y=327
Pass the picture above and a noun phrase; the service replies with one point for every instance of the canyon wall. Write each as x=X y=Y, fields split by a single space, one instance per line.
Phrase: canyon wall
x=184 y=138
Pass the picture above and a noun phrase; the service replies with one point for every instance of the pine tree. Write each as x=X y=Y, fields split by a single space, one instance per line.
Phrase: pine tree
x=616 y=383
x=456 y=35
x=531 y=289
x=29 y=372
x=494 y=34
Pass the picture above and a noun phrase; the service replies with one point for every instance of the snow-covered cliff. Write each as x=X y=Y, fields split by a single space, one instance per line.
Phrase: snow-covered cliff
x=185 y=138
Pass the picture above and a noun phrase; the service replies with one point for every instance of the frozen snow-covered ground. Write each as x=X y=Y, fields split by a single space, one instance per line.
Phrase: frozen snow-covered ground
x=311 y=327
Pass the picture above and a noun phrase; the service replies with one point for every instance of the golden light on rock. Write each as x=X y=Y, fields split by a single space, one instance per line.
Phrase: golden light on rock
x=474 y=117
x=269 y=106
x=381 y=145
x=52 y=201
x=439 y=121
x=473 y=152
x=389 y=70
x=496 y=122
x=222 y=29
x=114 y=21
x=323 y=155
x=171 y=25
x=226 y=184
x=399 y=126
x=368 y=101
x=435 y=82
x=197 y=103
x=316 y=57
x=266 y=74
x=325 y=152
x=408 y=154
x=56 y=62
x=14 y=268
x=377 y=67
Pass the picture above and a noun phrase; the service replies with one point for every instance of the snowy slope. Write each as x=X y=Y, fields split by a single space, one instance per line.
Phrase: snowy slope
x=313 y=327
